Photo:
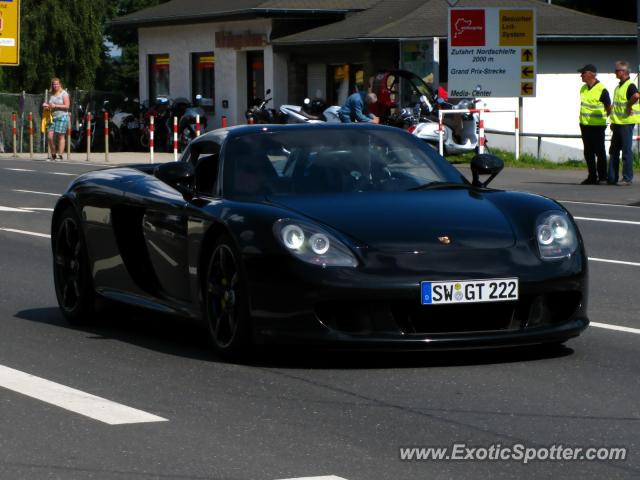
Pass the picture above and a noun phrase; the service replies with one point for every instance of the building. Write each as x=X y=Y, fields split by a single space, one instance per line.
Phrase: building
x=231 y=52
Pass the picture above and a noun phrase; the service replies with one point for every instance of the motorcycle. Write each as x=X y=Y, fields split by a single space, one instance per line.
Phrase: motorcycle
x=400 y=87
x=188 y=123
x=161 y=112
x=259 y=113
x=311 y=111
x=458 y=138
x=78 y=132
x=127 y=121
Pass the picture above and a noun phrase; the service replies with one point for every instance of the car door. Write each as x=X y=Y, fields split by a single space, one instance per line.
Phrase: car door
x=165 y=224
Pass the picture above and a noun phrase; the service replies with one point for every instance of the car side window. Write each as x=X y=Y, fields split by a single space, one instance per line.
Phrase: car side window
x=204 y=157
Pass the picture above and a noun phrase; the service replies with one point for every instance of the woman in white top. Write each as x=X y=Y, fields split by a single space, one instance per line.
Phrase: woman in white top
x=58 y=105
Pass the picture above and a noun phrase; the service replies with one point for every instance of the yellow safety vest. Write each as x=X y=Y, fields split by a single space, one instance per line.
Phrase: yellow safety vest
x=592 y=111
x=619 y=111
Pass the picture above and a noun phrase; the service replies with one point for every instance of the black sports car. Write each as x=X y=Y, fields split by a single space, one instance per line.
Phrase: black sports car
x=354 y=235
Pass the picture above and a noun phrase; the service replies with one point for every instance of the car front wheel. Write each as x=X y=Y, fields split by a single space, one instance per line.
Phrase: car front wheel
x=227 y=300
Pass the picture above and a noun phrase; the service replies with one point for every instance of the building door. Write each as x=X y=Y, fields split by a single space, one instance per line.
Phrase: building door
x=255 y=75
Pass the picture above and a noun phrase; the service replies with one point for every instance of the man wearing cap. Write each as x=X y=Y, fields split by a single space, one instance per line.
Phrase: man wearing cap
x=624 y=116
x=595 y=105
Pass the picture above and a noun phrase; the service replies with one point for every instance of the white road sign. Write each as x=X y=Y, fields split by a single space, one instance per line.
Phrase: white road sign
x=492 y=52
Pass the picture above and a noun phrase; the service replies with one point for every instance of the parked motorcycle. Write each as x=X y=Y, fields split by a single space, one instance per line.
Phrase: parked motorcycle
x=259 y=113
x=161 y=112
x=79 y=130
x=188 y=123
x=400 y=88
x=127 y=120
x=311 y=111
x=460 y=131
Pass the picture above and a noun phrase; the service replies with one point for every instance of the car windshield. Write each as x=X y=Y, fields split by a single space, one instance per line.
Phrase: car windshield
x=337 y=160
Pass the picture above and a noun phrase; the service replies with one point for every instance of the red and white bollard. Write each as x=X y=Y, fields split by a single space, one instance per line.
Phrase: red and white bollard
x=151 y=129
x=517 y=133
x=197 y=125
x=441 y=132
x=175 y=139
x=30 y=119
x=106 y=136
x=224 y=121
x=481 y=139
x=14 y=131
x=88 y=135
x=69 y=139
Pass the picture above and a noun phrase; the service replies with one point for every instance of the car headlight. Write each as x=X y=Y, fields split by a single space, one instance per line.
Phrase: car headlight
x=313 y=245
x=555 y=235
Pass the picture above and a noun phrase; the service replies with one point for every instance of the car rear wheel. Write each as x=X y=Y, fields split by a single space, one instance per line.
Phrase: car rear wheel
x=72 y=278
x=227 y=300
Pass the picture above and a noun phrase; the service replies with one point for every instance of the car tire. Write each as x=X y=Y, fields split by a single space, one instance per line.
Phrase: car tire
x=71 y=273
x=226 y=300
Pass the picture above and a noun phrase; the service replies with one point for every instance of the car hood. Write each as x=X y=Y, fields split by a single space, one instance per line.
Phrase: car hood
x=409 y=221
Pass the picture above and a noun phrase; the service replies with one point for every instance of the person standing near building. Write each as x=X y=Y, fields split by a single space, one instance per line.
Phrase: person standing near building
x=58 y=104
x=625 y=114
x=595 y=105
x=356 y=108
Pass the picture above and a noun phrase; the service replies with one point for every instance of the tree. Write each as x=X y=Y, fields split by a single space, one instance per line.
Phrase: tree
x=122 y=74
x=59 y=38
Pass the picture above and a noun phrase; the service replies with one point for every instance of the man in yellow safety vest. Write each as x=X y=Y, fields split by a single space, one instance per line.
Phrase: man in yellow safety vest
x=595 y=105
x=625 y=114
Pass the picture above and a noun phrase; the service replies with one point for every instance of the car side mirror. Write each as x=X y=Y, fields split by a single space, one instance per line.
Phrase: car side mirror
x=179 y=175
x=485 y=164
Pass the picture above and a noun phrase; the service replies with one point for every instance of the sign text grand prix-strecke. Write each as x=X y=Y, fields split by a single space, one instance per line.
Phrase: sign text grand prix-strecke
x=492 y=52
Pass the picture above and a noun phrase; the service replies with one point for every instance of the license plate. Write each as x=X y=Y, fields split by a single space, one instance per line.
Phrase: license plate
x=469 y=291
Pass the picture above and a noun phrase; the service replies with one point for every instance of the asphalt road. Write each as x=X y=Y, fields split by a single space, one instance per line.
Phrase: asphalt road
x=292 y=414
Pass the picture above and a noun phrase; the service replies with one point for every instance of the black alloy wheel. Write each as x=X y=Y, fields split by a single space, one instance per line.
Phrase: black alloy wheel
x=227 y=300
x=72 y=279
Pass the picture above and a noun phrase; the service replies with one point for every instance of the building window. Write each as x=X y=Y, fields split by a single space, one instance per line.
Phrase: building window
x=202 y=78
x=159 y=75
x=342 y=81
x=255 y=75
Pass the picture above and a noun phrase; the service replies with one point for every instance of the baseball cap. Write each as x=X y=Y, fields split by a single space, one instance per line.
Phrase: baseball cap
x=589 y=67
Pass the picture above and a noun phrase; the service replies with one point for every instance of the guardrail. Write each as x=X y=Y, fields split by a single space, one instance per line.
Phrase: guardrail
x=540 y=136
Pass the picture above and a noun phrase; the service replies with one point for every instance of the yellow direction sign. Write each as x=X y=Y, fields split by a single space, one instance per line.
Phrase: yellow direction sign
x=526 y=89
x=9 y=32
x=527 y=55
x=527 y=71
x=517 y=28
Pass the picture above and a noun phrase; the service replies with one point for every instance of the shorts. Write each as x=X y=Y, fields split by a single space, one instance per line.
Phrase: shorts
x=59 y=124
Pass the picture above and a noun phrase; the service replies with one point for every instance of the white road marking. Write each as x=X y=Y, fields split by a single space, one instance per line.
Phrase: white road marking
x=19 y=169
x=599 y=204
x=39 y=193
x=39 y=209
x=616 y=327
x=73 y=400
x=12 y=209
x=328 y=477
x=63 y=173
x=608 y=220
x=24 y=232
x=619 y=262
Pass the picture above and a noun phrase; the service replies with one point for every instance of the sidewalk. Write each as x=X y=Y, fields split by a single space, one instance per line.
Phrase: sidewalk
x=98 y=158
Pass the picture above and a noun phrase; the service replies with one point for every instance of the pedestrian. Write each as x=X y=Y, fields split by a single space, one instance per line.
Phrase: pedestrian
x=625 y=114
x=58 y=105
x=595 y=105
x=356 y=108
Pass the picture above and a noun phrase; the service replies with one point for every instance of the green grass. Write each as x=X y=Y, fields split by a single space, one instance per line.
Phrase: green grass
x=529 y=161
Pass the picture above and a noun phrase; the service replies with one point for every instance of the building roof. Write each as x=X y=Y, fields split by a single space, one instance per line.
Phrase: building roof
x=187 y=11
x=406 y=19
